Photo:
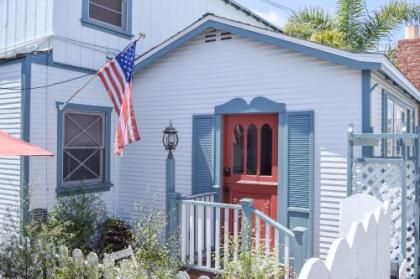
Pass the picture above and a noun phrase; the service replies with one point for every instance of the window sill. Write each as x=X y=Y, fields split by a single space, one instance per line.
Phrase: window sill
x=106 y=28
x=74 y=190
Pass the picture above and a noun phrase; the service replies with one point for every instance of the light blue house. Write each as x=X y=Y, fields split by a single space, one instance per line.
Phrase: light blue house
x=259 y=114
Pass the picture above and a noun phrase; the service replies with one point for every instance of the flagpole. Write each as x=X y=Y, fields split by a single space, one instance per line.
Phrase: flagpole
x=64 y=105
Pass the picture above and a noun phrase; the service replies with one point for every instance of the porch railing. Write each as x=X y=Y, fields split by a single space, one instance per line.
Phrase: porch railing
x=212 y=234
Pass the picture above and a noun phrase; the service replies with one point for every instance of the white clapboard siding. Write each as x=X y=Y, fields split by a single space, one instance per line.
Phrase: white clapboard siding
x=158 y=19
x=10 y=122
x=43 y=131
x=199 y=76
x=24 y=25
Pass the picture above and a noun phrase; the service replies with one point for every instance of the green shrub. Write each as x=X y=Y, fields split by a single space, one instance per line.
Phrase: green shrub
x=74 y=222
x=253 y=265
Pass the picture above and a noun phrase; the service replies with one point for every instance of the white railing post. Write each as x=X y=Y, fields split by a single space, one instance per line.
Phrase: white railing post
x=247 y=210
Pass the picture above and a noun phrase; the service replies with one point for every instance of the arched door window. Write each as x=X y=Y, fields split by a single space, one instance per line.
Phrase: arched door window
x=266 y=150
x=238 y=149
x=251 y=150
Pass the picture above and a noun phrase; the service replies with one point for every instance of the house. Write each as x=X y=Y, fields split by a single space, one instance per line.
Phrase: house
x=259 y=113
x=43 y=42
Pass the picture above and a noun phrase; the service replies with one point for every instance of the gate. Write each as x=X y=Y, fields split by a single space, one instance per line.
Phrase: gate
x=386 y=166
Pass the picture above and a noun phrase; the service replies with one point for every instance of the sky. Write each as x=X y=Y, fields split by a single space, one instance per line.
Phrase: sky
x=279 y=16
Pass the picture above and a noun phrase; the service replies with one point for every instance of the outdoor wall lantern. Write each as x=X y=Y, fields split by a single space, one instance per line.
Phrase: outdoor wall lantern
x=170 y=139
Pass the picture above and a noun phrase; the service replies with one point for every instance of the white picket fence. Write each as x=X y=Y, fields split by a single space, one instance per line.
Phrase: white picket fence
x=363 y=251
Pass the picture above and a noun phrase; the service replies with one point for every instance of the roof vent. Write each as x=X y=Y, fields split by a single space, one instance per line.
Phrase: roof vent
x=215 y=35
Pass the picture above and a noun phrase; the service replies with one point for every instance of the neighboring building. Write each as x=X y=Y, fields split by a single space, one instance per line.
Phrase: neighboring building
x=228 y=83
x=409 y=54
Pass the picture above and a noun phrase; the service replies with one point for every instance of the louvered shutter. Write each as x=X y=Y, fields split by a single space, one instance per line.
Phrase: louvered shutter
x=300 y=169
x=203 y=154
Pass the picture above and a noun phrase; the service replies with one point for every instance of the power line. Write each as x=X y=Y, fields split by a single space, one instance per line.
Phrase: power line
x=18 y=89
x=277 y=5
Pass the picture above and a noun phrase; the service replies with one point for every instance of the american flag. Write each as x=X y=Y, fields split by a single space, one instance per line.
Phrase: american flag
x=117 y=77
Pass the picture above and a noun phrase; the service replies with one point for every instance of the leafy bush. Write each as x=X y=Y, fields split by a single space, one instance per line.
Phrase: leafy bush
x=74 y=222
x=115 y=235
x=253 y=265
x=155 y=255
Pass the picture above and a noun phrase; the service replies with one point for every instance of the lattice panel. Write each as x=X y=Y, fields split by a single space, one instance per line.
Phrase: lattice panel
x=383 y=180
x=411 y=217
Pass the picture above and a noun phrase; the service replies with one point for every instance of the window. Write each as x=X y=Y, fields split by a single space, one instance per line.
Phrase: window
x=83 y=148
x=238 y=149
x=108 y=11
x=112 y=16
x=398 y=115
x=251 y=162
x=266 y=146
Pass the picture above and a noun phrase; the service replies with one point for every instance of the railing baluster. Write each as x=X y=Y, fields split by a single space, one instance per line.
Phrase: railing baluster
x=276 y=245
x=257 y=234
x=208 y=235
x=286 y=257
x=226 y=238
x=200 y=234
x=267 y=239
x=217 y=240
x=192 y=230
x=183 y=232
x=236 y=234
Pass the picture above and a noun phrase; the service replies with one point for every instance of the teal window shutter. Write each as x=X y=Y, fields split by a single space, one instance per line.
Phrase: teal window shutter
x=203 y=154
x=300 y=170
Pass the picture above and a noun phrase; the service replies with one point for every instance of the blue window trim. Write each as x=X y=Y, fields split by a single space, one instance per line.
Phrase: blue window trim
x=98 y=25
x=105 y=186
x=386 y=95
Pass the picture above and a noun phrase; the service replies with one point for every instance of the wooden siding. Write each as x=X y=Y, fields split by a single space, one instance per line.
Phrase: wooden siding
x=24 y=25
x=10 y=122
x=159 y=19
x=43 y=132
x=197 y=77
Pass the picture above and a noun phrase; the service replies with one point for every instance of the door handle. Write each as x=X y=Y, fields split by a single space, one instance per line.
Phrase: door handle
x=226 y=172
x=226 y=189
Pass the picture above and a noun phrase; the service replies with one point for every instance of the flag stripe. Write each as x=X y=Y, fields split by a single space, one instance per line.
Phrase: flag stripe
x=114 y=85
x=110 y=94
x=119 y=78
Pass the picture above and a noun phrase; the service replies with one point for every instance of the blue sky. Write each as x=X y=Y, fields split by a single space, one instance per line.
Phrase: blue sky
x=279 y=16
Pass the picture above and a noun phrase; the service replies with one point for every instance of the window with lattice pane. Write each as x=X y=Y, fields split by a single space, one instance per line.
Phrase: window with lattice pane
x=83 y=148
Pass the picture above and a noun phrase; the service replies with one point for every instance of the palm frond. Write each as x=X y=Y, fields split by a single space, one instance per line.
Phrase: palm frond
x=303 y=23
x=349 y=18
x=381 y=23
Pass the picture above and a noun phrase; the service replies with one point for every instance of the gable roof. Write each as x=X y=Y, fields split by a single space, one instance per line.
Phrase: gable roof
x=360 y=61
x=250 y=13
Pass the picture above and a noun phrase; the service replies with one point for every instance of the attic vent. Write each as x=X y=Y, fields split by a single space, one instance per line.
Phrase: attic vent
x=214 y=35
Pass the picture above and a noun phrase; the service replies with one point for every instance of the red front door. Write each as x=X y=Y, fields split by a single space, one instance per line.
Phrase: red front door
x=250 y=160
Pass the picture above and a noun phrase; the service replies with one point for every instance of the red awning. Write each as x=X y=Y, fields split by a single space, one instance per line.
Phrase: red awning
x=11 y=146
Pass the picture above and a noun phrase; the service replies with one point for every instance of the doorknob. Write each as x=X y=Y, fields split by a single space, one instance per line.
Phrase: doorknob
x=226 y=171
x=226 y=189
